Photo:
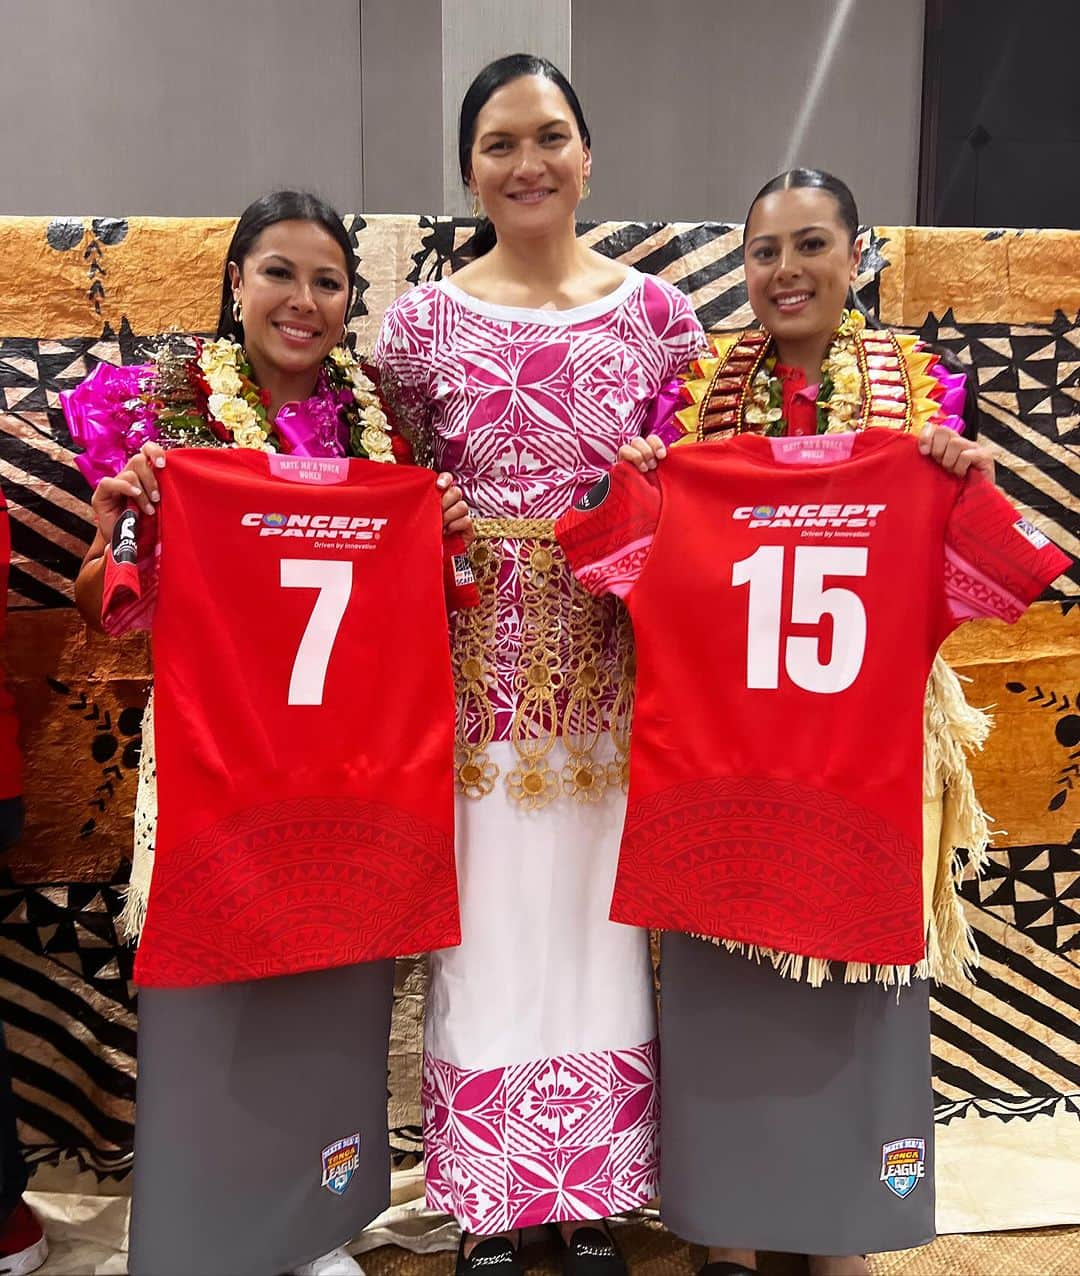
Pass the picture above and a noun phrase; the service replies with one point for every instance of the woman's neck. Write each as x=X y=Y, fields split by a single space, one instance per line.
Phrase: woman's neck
x=541 y=271
x=284 y=387
x=807 y=354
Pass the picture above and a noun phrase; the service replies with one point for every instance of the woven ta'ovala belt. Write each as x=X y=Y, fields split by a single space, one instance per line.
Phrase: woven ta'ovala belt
x=565 y=654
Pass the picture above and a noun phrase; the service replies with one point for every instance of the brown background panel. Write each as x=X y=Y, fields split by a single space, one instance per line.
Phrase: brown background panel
x=72 y=688
x=165 y=273
x=1018 y=276
x=1017 y=774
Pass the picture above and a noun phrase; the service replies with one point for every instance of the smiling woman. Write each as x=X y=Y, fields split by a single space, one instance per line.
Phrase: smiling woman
x=286 y=297
x=836 y=1074
x=528 y=369
x=523 y=148
x=801 y=255
x=261 y=1100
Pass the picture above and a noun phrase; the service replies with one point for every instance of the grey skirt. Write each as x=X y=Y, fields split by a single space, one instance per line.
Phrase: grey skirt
x=260 y=1132
x=793 y=1119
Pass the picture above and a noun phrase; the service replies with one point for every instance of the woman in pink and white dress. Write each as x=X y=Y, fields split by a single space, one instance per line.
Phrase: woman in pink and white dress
x=524 y=375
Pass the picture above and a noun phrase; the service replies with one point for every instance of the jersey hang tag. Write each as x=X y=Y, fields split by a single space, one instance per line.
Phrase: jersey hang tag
x=812 y=449
x=1031 y=533
x=463 y=571
x=317 y=470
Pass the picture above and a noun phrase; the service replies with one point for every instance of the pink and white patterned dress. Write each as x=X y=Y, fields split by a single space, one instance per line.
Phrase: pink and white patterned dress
x=540 y=1067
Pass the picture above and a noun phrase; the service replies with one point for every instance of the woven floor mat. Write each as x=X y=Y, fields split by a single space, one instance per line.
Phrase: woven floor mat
x=652 y=1251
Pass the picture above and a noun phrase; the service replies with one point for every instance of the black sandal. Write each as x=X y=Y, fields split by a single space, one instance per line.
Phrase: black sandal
x=495 y=1256
x=590 y=1251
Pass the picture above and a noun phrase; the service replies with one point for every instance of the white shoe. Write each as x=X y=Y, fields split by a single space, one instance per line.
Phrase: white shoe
x=23 y=1248
x=338 y=1262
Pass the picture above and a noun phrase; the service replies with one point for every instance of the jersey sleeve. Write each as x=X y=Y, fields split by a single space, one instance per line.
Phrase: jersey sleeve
x=996 y=562
x=608 y=534
x=129 y=596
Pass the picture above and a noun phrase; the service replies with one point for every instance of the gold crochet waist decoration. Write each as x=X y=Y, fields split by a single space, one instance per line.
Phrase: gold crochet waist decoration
x=566 y=640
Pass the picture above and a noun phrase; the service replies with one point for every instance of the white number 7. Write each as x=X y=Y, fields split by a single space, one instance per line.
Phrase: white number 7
x=333 y=580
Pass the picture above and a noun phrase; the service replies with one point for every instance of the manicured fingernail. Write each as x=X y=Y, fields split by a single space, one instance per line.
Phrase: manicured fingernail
x=159 y=461
x=155 y=496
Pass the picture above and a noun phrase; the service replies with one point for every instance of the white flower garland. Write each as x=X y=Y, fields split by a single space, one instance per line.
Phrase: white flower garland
x=225 y=368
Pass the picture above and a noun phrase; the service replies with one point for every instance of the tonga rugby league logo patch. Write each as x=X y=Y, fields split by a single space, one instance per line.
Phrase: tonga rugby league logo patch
x=903 y=1164
x=340 y=1162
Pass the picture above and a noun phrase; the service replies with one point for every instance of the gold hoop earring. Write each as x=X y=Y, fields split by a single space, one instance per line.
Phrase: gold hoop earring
x=477 y=208
x=237 y=311
x=586 y=191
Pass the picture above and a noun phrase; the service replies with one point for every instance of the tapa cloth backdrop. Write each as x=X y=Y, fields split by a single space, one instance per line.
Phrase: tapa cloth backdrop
x=74 y=292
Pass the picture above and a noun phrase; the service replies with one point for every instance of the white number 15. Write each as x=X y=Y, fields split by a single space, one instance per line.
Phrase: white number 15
x=333 y=580
x=763 y=571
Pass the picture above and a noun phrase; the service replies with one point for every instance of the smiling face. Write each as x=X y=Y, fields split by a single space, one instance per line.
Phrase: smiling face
x=800 y=262
x=528 y=160
x=294 y=292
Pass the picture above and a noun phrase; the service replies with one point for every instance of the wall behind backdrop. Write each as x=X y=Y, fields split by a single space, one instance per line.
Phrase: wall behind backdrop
x=194 y=109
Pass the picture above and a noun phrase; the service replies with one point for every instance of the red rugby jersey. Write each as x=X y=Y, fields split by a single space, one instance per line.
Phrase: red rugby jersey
x=304 y=715
x=788 y=596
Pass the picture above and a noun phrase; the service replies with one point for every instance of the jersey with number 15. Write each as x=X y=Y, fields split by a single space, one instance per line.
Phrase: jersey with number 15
x=304 y=714
x=788 y=596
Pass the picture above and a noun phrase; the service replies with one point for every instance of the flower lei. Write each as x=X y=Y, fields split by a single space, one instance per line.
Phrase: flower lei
x=212 y=398
x=369 y=428
x=839 y=391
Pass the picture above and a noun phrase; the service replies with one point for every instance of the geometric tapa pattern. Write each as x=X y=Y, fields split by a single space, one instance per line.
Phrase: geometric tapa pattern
x=1007 y=1048
x=69 y=1011
x=51 y=522
x=1019 y=1062
x=1029 y=388
x=69 y=1014
x=1035 y=889
x=1029 y=397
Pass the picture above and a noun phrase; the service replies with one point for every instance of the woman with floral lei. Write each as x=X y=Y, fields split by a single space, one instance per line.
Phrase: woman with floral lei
x=777 y=1098
x=242 y=1084
x=528 y=370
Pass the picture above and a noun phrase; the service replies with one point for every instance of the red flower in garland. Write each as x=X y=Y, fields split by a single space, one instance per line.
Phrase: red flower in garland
x=403 y=453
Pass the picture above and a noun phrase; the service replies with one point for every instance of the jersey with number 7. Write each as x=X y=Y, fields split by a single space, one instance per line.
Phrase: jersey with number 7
x=304 y=714
x=788 y=596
